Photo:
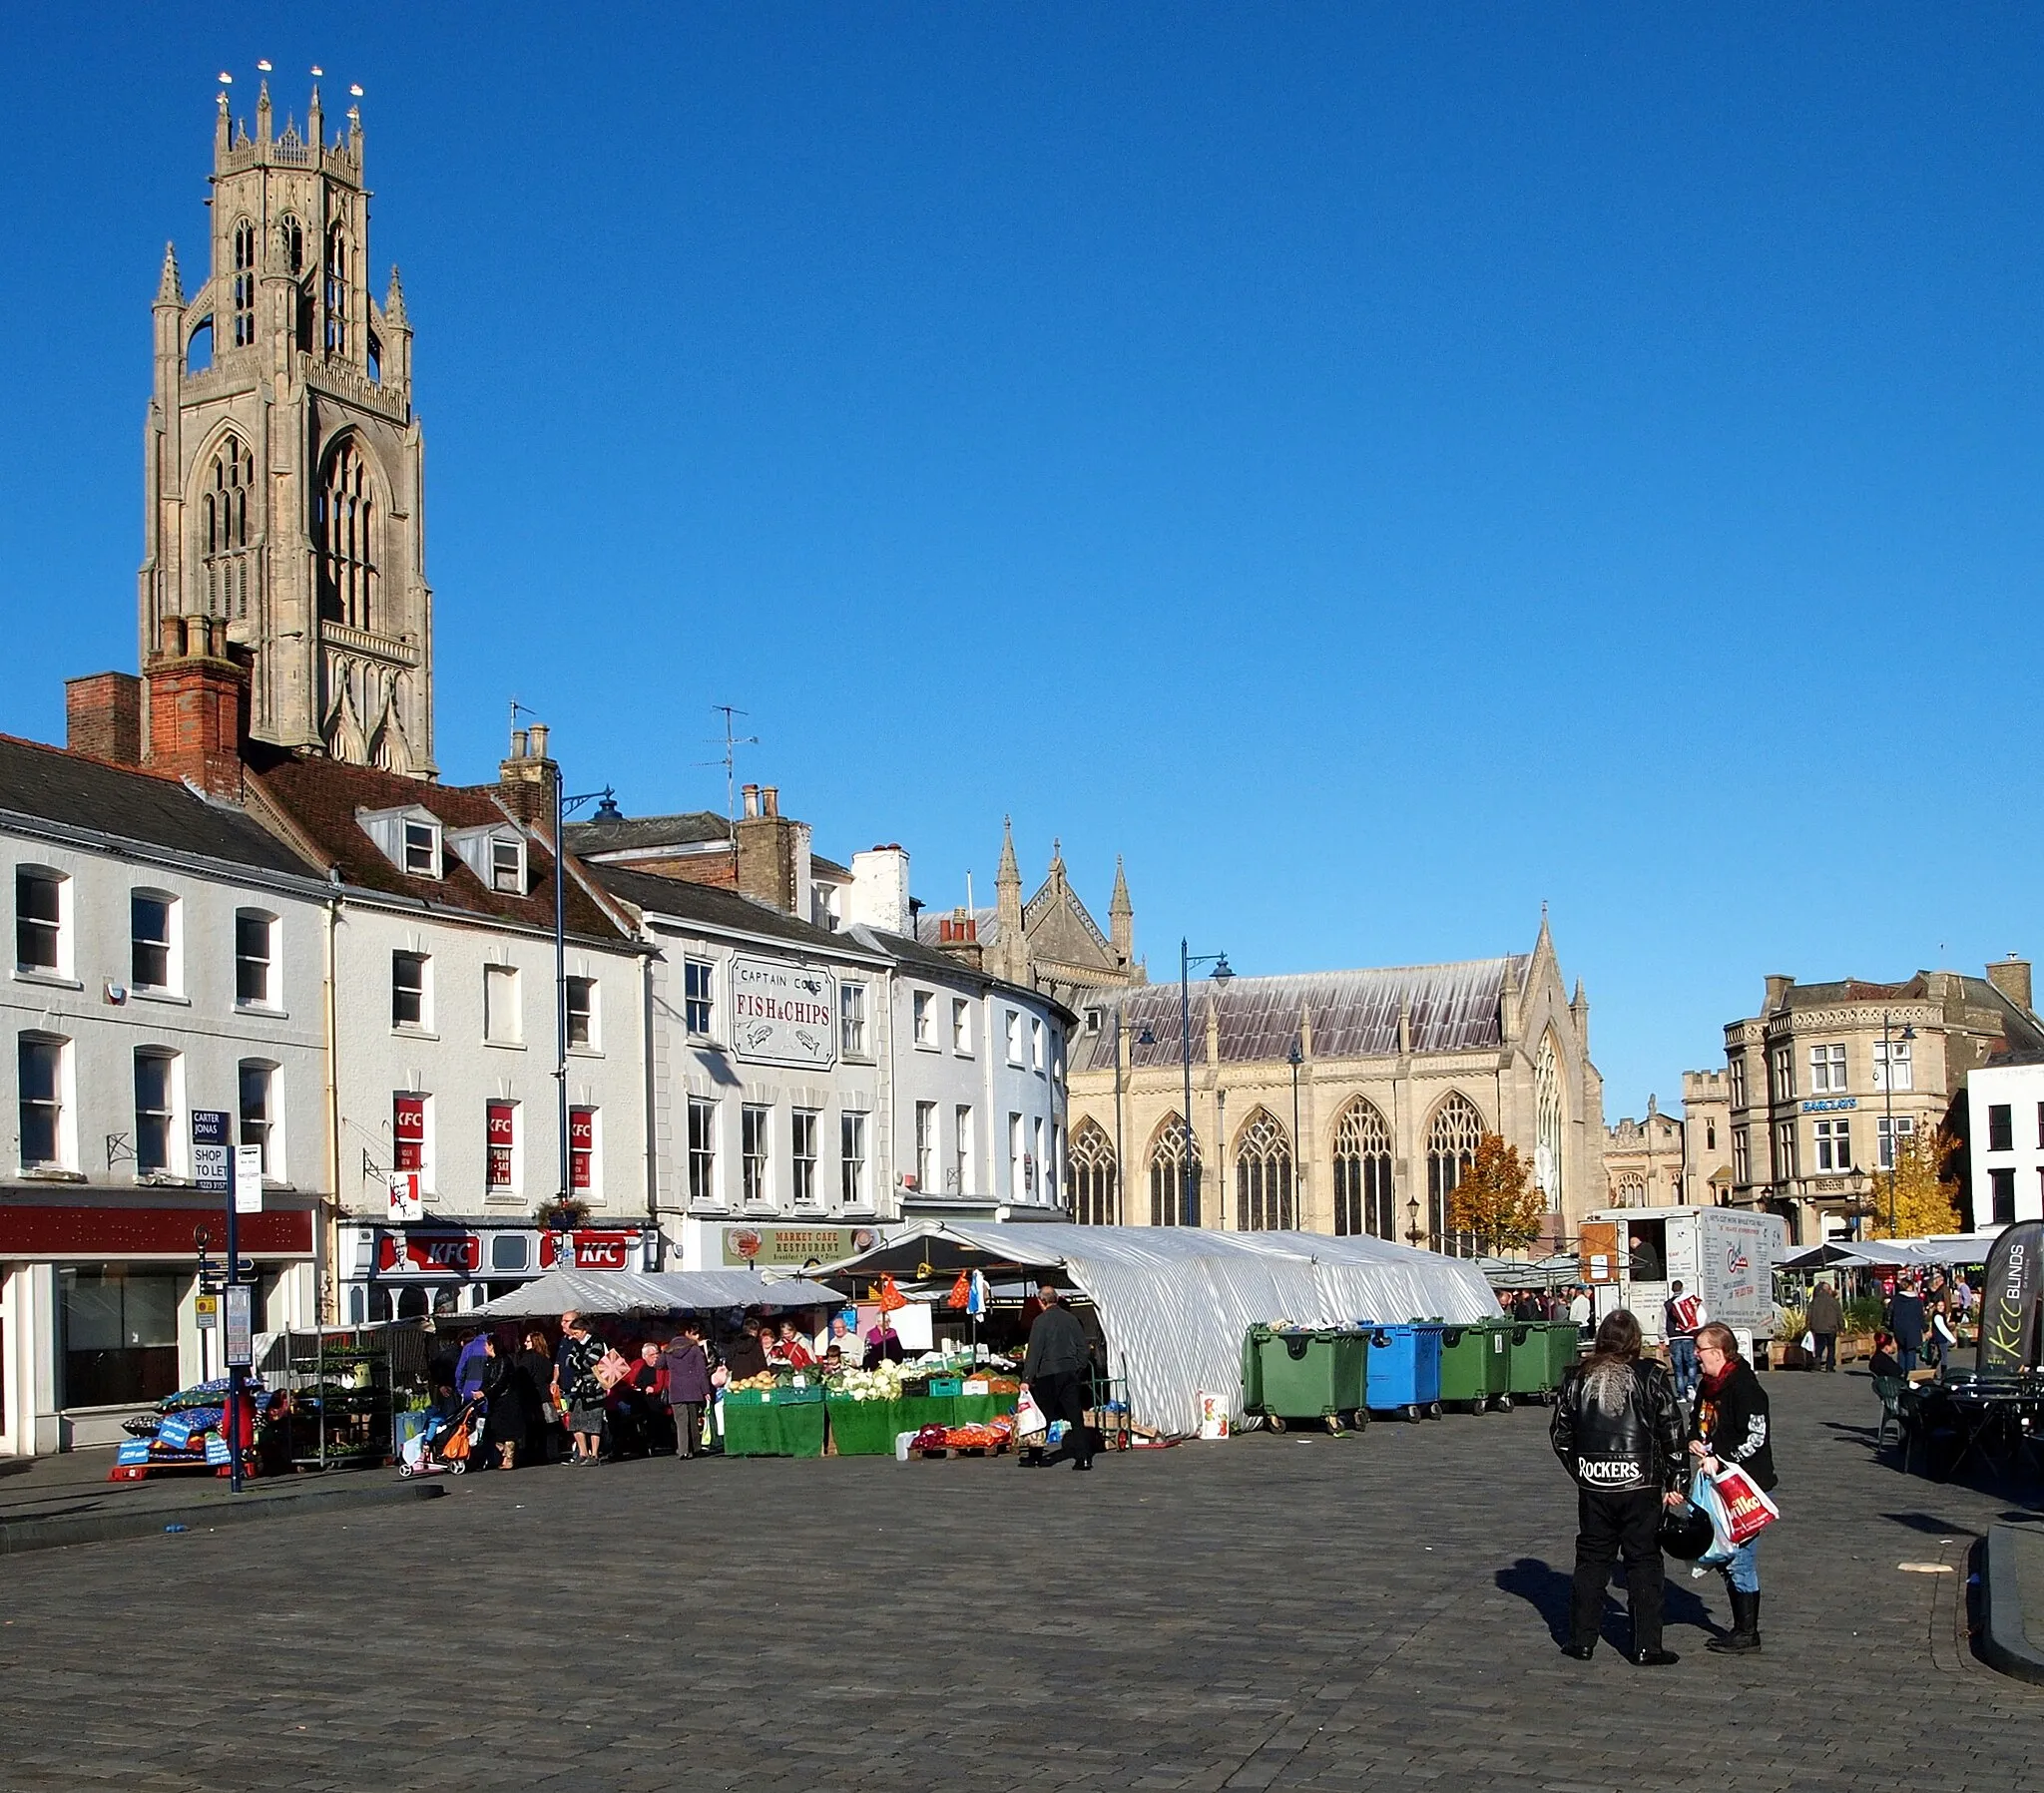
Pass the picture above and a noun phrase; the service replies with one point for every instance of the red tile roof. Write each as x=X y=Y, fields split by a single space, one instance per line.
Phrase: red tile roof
x=322 y=798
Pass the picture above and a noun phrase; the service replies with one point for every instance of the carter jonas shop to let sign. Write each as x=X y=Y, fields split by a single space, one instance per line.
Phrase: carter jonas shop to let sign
x=784 y=1014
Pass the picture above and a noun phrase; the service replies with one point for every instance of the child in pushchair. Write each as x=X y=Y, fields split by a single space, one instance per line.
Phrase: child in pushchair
x=450 y=1438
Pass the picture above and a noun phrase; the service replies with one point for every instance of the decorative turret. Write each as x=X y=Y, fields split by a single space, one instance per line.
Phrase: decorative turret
x=315 y=122
x=170 y=290
x=1121 y=917
x=1012 y=947
x=222 y=132
x=263 y=115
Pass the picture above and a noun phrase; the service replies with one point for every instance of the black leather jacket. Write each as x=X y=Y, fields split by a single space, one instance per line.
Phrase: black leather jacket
x=1633 y=1449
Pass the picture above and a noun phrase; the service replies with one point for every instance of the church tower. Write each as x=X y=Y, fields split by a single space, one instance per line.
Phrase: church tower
x=283 y=463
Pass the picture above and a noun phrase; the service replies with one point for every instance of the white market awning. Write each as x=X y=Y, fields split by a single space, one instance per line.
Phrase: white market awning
x=652 y=1292
x=1175 y=1303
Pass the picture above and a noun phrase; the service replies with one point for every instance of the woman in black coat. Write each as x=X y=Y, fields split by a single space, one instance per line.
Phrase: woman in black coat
x=542 y=1428
x=509 y=1399
x=1731 y=1425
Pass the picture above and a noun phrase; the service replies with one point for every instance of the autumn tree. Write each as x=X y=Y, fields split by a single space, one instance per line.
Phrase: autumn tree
x=1497 y=1199
x=1926 y=1188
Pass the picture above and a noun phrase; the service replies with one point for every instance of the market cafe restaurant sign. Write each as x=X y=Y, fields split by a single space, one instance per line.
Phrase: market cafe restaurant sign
x=791 y=1247
x=784 y=1014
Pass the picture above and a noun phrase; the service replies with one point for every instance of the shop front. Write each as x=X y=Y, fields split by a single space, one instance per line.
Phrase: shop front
x=451 y=1267
x=99 y=1310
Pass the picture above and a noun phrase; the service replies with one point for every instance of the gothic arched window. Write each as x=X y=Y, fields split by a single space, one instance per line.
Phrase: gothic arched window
x=1174 y=1176
x=345 y=525
x=223 y=529
x=1263 y=1176
x=245 y=283
x=1632 y=1191
x=336 y=291
x=1362 y=1174
x=1546 y=1118
x=1450 y=1156
x=290 y=237
x=1094 y=1175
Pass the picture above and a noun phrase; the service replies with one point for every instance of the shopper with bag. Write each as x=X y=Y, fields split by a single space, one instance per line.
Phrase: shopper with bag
x=1729 y=1442
x=1825 y=1319
x=1056 y=1370
x=1618 y=1430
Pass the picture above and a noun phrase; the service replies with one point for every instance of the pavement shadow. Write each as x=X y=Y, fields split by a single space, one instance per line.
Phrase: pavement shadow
x=1547 y=1590
x=1929 y=1523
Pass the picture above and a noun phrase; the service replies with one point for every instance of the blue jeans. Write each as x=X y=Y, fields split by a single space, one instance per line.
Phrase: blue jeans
x=1906 y=1356
x=1741 y=1572
x=1682 y=1359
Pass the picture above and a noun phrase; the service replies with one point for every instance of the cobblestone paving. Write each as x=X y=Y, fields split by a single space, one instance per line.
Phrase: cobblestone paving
x=1273 y=1612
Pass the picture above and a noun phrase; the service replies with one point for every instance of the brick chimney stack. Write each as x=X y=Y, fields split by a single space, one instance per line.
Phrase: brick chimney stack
x=2011 y=976
x=198 y=705
x=103 y=716
x=773 y=853
x=525 y=779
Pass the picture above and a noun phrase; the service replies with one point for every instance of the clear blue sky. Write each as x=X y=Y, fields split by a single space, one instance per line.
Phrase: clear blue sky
x=1375 y=468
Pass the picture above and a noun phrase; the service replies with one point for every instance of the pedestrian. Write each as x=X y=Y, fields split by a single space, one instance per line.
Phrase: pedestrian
x=747 y=1354
x=1618 y=1430
x=687 y=1386
x=1681 y=1316
x=1056 y=1368
x=1731 y=1426
x=543 y=1418
x=1644 y=1260
x=883 y=1344
x=510 y=1397
x=1825 y=1320
x=468 y=1367
x=582 y=1392
x=1905 y=1321
x=1580 y=1309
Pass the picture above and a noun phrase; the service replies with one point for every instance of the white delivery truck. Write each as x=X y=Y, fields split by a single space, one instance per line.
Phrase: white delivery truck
x=1631 y=1255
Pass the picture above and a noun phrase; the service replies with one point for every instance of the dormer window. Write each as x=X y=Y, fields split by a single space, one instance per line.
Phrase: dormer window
x=507 y=866
x=410 y=837
x=496 y=854
x=423 y=849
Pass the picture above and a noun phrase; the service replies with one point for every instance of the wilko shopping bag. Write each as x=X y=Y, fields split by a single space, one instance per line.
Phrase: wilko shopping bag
x=1213 y=1414
x=1747 y=1511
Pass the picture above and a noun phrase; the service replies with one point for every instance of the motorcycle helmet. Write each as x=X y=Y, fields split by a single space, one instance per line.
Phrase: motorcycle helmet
x=1684 y=1531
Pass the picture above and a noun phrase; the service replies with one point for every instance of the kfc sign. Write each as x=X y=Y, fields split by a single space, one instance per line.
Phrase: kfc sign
x=593 y=1251
x=428 y=1254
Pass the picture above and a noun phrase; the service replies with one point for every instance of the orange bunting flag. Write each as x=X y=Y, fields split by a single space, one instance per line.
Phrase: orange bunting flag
x=890 y=1296
x=961 y=1290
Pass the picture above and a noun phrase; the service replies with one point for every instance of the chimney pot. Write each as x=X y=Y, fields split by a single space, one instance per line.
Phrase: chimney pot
x=536 y=739
x=770 y=798
x=518 y=743
x=750 y=794
x=170 y=636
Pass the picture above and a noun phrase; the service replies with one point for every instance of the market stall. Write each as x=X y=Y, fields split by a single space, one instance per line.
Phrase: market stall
x=650 y=1292
x=1174 y=1304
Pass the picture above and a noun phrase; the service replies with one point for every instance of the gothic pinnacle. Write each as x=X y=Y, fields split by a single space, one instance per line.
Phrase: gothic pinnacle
x=1008 y=872
x=170 y=290
x=393 y=301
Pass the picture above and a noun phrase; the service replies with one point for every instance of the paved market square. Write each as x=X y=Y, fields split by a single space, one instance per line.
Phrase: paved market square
x=1372 y=1612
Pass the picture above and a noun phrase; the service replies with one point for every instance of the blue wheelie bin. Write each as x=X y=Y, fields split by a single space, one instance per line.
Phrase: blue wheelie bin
x=1405 y=1374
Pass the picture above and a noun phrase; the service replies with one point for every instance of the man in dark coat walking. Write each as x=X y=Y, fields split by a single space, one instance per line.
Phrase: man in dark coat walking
x=1057 y=1370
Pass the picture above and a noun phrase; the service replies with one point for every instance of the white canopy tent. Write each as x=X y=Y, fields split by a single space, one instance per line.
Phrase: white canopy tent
x=1175 y=1303
x=651 y=1292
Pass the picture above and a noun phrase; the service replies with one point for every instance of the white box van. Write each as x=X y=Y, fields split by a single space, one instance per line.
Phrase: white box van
x=1631 y=1255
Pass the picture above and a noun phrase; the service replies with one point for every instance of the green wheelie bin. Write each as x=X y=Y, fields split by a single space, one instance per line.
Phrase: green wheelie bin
x=1465 y=1365
x=1307 y=1373
x=1564 y=1348
x=1497 y=1363
x=1531 y=1375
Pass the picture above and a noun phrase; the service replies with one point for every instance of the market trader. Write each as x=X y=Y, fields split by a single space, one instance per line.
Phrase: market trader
x=1056 y=1369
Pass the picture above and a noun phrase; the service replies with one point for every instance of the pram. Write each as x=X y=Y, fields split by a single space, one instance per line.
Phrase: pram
x=447 y=1444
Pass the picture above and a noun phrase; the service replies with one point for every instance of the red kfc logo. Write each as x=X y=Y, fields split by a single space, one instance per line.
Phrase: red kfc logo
x=447 y=1254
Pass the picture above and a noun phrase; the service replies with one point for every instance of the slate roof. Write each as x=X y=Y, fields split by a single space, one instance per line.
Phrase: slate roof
x=712 y=906
x=929 y=923
x=2021 y=1027
x=128 y=803
x=1454 y=1008
x=917 y=954
x=696 y=827
x=322 y=797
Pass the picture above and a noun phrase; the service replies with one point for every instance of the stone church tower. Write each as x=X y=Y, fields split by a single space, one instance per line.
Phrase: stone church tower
x=283 y=462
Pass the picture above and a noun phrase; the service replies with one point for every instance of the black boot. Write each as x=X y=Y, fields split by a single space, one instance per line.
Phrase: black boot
x=1746 y=1626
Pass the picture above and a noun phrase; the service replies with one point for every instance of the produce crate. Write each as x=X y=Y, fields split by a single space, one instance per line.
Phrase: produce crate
x=947 y=1387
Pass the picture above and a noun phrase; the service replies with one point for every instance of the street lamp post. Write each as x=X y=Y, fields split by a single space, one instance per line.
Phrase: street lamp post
x=1294 y=1058
x=1887 y=1084
x=1412 y=1233
x=1121 y=1163
x=1188 y=1193
x=564 y=808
